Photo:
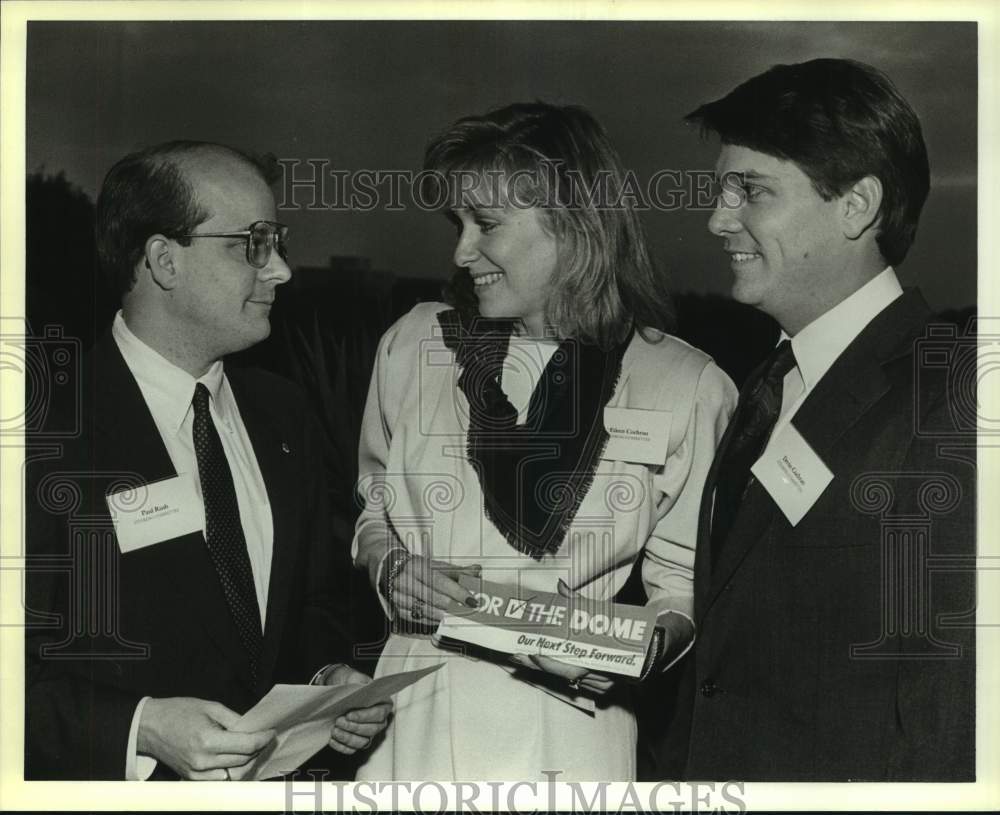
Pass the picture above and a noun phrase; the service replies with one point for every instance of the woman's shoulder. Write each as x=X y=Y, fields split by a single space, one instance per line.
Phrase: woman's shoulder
x=419 y=324
x=657 y=349
x=660 y=359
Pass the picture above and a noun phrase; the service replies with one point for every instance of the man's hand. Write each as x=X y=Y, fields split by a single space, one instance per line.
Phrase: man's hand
x=191 y=737
x=356 y=729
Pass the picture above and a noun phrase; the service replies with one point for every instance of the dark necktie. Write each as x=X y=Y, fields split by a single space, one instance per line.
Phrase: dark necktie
x=755 y=420
x=223 y=529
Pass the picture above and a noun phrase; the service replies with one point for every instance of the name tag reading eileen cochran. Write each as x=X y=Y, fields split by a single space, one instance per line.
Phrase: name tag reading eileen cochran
x=637 y=436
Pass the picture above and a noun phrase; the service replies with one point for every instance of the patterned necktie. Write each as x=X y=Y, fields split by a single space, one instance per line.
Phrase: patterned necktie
x=755 y=420
x=223 y=529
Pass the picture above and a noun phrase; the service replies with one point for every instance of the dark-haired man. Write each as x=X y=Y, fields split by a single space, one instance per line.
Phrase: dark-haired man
x=834 y=590
x=180 y=556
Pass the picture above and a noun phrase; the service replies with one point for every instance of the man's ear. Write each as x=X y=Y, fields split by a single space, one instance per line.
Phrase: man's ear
x=861 y=205
x=159 y=262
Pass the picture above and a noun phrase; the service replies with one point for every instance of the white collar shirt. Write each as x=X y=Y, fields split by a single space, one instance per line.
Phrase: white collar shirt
x=168 y=391
x=820 y=344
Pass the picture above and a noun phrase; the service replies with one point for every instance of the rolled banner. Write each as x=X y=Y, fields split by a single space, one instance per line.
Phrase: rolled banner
x=599 y=635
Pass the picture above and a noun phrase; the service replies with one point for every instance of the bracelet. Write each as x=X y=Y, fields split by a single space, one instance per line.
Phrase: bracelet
x=655 y=652
x=393 y=571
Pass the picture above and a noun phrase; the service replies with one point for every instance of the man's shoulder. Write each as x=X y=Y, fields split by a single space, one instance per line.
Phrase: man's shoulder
x=263 y=388
x=263 y=380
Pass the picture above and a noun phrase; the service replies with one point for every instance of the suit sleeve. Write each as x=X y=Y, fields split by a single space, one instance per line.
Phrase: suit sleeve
x=668 y=566
x=76 y=726
x=373 y=536
x=936 y=696
x=325 y=635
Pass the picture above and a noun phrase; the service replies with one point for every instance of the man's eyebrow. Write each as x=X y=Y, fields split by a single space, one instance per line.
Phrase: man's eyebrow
x=753 y=175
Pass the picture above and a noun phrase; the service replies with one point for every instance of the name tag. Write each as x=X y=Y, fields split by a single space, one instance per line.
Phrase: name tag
x=155 y=512
x=792 y=473
x=637 y=436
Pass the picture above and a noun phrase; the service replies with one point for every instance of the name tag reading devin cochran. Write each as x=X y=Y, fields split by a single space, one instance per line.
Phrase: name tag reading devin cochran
x=792 y=473
x=601 y=635
x=151 y=513
x=637 y=436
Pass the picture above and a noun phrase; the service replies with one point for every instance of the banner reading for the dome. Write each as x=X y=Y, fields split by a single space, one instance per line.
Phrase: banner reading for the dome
x=597 y=635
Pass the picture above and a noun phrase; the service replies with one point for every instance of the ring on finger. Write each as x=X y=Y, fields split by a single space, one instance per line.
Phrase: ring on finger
x=575 y=683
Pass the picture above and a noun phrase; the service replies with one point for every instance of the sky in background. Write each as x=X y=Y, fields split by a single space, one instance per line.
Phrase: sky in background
x=368 y=95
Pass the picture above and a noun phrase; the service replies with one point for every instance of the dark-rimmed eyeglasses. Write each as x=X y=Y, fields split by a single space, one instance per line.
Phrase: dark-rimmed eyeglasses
x=261 y=236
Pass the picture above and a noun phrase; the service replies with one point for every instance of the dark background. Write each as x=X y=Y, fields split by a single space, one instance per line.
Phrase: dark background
x=369 y=95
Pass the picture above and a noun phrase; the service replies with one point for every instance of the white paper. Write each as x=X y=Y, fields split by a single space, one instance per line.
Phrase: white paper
x=155 y=512
x=792 y=473
x=637 y=436
x=303 y=716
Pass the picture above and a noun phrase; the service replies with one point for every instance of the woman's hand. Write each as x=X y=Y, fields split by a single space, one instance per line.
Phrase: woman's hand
x=422 y=589
x=576 y=678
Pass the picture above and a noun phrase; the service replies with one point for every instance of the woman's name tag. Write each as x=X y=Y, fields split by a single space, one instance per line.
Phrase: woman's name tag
x=151 y=513
x=637 y=436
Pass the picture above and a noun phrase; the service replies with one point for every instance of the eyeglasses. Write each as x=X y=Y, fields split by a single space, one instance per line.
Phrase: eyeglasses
x=262 y=237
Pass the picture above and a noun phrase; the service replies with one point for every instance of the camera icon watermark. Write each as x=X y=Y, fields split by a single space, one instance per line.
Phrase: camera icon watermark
x=51 y=366
x=952 y=363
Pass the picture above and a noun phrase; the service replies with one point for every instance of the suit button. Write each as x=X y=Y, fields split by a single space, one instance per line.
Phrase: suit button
x=708 y=688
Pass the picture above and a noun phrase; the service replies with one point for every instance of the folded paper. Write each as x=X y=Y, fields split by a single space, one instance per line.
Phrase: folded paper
x=303 y=716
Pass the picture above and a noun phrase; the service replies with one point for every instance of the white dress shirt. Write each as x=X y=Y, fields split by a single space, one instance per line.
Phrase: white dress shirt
x=168 y=391
x=819 y=344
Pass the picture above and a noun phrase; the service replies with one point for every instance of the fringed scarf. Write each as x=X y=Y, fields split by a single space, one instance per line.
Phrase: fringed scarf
x=533 y=476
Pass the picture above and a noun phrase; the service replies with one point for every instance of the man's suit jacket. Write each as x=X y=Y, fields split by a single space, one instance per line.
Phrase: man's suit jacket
x=825 y=651
x=106 y=628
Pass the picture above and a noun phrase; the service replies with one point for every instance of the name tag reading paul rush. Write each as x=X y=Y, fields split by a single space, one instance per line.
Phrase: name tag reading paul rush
x=637 y=436
x=155 y=512
x=597 y=635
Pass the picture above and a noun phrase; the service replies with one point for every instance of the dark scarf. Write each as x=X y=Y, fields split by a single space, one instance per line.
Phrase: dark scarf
x=533 y=476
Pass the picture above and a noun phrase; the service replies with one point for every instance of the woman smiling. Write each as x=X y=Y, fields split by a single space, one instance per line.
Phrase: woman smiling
x=484 y=451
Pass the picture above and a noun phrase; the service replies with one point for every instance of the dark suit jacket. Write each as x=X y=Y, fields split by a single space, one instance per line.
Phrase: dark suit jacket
x=106 y=628
x=842 y=648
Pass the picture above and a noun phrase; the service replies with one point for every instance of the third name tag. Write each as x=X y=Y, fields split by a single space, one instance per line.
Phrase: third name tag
x=637 y=436
x=792 y=473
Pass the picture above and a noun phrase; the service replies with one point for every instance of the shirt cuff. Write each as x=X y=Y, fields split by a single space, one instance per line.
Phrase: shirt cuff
x=137 y=767
x=690 y=644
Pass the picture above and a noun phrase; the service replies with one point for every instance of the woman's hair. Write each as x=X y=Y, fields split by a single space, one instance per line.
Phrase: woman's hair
x=559 y=159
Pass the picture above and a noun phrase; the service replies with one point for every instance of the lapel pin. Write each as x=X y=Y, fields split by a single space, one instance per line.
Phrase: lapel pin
x=285 y=448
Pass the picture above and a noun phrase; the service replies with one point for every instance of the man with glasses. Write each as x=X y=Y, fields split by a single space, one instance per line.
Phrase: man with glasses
x=203 y=571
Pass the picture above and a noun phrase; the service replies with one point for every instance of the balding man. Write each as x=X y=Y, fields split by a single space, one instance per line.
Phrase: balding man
x=163 y=617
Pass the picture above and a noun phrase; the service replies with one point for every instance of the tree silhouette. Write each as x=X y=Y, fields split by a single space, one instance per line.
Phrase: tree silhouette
x=63 y=285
